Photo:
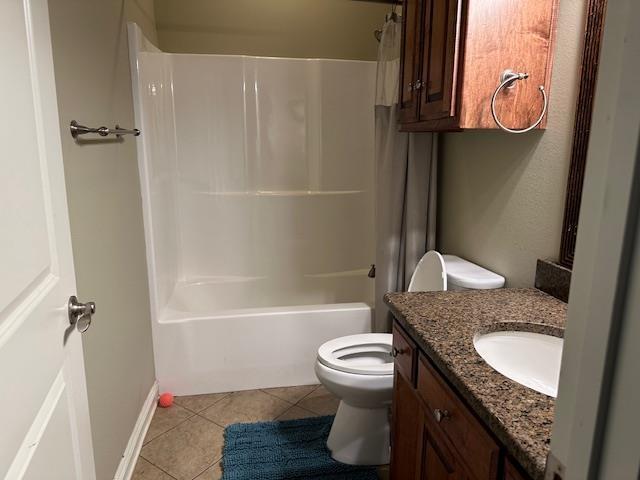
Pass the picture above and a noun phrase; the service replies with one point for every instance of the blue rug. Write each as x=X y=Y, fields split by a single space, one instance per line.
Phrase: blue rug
x=288 y=450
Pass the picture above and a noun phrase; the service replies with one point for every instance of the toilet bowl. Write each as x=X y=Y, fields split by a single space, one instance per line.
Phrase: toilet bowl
x=358 y=369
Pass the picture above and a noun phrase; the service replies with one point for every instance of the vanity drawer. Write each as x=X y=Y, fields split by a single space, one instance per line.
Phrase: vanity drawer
x=404 y=352
x=474 y=445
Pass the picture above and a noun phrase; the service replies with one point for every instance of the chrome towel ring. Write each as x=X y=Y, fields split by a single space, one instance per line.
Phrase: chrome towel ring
x=508 y=80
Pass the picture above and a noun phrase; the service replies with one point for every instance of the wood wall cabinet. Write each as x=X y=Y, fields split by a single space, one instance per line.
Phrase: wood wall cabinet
x=454 y=52
x=434 y=435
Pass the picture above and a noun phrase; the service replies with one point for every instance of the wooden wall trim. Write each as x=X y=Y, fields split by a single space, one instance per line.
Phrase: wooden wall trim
x=588 y=77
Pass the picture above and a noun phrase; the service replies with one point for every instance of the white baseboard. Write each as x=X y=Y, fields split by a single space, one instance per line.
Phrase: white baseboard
x=130 y=456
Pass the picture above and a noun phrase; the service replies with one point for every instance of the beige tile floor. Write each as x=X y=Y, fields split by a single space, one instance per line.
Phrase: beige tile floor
x=184 y=442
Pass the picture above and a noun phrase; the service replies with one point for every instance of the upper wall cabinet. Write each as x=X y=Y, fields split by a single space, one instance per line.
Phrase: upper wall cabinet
x=461 y=56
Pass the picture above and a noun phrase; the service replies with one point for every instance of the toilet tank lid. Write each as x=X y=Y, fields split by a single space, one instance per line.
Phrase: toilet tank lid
x=465 y=274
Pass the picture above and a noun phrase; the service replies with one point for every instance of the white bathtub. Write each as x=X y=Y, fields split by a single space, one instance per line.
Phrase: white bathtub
x=257 y=180
x=241 y=349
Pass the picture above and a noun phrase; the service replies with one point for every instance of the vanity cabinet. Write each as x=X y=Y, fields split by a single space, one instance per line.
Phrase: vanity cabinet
x=434 y=434
x=511 y=472
x=454 y=53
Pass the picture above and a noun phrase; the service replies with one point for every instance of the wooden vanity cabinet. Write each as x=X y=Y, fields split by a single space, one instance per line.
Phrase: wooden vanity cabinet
x=434 y=436
x=453 y=53
x=511 y=472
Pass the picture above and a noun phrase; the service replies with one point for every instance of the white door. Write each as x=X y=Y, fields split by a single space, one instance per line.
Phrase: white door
x=595 y=431
x=44 y=417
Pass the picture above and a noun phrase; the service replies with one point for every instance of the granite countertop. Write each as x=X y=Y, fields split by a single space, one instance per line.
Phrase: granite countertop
x=444 y=324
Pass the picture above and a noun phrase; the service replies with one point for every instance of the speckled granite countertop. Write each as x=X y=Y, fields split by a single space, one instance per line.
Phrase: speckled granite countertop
x=444 y=324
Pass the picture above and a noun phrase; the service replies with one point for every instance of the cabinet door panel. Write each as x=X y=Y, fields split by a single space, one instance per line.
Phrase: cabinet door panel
x=438 y=462
x=410 y=60
x=435 y=465
x=406 y=431
x=467 y=436
x=439 y=62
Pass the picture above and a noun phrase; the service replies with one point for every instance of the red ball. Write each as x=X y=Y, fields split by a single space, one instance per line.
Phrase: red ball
x=165 y=400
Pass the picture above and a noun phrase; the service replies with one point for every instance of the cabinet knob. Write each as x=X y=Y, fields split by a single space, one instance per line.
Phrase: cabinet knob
x=410 y=86
x=418 y=85
x=439 y=415
x=395 y=352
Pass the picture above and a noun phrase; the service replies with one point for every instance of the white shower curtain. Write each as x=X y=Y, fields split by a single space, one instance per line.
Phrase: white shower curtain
x=406 y=182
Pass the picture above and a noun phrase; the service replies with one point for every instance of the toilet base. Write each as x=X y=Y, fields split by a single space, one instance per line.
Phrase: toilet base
x=360 y=436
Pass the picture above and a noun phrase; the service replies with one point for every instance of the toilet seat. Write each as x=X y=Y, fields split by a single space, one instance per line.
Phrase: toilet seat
x=430 y=274
x=364 y=354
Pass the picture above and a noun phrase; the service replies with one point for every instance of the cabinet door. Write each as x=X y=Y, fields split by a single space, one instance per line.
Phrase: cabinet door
x=410 y=60
x=406 y=431
x=438 y=463
x=511 y=472
x=440 y=59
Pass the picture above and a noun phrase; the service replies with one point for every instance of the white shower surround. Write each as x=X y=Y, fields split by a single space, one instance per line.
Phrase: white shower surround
x=257 y=179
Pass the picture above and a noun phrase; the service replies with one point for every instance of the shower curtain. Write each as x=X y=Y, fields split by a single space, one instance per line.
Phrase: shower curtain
x=406 y=183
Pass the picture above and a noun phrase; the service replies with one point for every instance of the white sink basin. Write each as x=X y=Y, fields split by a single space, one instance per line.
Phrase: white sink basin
x=531 y=359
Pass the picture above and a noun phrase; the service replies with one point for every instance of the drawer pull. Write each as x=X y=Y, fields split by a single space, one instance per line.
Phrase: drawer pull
x=439 y=415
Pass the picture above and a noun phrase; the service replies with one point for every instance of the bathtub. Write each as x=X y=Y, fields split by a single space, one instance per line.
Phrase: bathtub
x=235 y=348
x=257 y=181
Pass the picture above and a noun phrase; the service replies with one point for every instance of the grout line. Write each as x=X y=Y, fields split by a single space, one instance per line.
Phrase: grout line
x=200 y=473
x=207 y=468
x=209 y=420
x=309 y=410
x=274 y=396
x=159 y=468
x=298 y=402
x=225 y=395
x=292 y=403
x=172 y=428
x=301 y=408
x=277 y=419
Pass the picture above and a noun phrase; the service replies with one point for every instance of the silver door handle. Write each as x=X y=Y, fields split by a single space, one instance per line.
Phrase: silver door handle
x=80 y=313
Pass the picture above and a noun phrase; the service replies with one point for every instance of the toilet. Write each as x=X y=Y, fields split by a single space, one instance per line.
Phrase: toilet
x=358 y=369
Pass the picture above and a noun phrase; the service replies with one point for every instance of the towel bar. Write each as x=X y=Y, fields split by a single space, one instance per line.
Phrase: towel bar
x=77 y=130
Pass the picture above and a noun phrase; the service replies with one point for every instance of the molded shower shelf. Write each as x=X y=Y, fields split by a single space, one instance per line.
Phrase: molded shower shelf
x=281 y=193
x=344 y=273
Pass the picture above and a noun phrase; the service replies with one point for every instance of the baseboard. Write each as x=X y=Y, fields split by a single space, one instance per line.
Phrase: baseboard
x=130 y=456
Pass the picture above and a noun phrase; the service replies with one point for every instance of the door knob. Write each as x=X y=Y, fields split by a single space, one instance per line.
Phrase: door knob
x=80 y=313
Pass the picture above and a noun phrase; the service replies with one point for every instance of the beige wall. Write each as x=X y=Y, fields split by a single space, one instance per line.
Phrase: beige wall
x=143 y=13
x=280 y=28
x=94 y=87
x=502 y=195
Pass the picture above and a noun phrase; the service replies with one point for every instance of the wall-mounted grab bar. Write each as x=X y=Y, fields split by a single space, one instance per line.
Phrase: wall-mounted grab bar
x=77 y=129
x=508 y=80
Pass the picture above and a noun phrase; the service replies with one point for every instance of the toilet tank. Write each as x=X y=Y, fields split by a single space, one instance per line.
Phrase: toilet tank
x=464 y=275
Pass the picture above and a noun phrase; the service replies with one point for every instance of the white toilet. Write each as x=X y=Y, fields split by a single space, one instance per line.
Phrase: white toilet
x=358 y=369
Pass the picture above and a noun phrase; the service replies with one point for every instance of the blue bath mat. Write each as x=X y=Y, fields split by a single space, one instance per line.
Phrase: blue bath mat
x=288 y=450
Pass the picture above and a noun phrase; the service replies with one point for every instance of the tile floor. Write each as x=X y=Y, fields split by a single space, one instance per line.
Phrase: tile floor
x=184 y=442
